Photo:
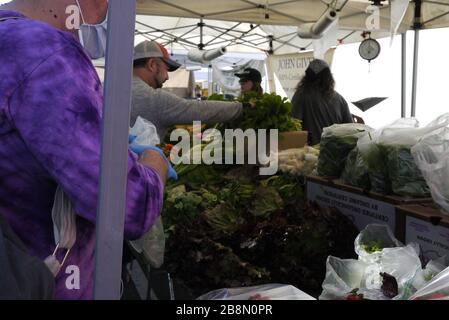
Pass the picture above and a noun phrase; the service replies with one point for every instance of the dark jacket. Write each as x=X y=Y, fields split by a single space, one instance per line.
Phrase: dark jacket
x=317 y=112
x=21 y=275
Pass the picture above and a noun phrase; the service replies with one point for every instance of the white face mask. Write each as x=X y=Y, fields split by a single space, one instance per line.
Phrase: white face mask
x=93 y=37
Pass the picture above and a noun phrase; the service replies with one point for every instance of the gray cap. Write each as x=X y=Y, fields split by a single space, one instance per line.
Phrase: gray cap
x=152 y=49
x=318 y=65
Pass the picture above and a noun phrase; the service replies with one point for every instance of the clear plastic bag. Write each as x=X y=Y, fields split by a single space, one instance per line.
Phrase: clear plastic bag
x=342 y=277
x=363 y=278
x=263 y=292
x=336 y=143
x=388 y=156
x=431 y=155
x=437 y=289
x=355 y=172
x=152 y=244
x=423 y=277
x=371 y=241
x=145 y=132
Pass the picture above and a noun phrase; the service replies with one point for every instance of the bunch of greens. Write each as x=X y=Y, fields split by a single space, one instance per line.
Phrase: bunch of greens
x=270 y=112
x=372 y=246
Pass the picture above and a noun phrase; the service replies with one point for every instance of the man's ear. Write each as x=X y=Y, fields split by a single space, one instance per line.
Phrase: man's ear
x=151 y=65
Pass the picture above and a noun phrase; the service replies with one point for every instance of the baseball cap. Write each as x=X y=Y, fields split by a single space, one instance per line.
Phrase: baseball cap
x=152 y=49
x=250 y=74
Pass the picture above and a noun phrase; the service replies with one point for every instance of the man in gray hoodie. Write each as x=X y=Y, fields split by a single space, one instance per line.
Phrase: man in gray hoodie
x=152 y=63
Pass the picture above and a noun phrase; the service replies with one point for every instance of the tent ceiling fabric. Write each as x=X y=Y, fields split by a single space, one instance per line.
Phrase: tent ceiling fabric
x=228 y=23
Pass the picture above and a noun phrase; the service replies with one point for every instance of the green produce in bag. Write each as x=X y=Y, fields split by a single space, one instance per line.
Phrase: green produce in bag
x=406 y=178
x=355 y=172
x=336 y=143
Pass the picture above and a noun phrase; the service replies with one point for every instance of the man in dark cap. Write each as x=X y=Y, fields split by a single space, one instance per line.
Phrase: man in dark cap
x=250 y=80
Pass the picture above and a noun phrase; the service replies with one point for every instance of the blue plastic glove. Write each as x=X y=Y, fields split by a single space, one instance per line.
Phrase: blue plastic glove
x=139 y=149
x=131 y=138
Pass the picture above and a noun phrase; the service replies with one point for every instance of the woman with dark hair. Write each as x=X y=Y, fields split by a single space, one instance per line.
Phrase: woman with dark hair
x=316 y=103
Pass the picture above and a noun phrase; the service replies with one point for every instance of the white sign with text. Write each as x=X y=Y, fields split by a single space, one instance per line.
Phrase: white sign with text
x=290 y=68
x=361 y=210
x=433 y=240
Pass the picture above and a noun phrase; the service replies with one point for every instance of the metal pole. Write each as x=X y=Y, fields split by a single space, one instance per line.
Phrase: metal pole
x=415 y=72
x=114 y=156
x=404 y=76
x=201 y=26
x=416 y=26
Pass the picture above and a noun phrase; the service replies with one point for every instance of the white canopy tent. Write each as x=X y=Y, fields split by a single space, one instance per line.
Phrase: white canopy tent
x=270 y=26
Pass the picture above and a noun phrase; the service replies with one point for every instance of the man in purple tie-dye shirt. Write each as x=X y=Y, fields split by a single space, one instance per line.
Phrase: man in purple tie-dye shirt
x=50 y=117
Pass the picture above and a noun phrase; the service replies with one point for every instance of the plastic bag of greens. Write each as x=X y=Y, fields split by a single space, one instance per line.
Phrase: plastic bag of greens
x=423 y=277
x=386 y=153
x=371 y=241
x=355 y=172
x=374 y=154
x=437 y=289
x=388 y=259
x=344 y=279
x=262 y=292
x=431 y=155
x=336 y=143
x=406 y=179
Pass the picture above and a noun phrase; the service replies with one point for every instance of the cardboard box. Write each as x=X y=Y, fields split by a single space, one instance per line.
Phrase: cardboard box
x=360 y=206
x=292 y=139
x=426 y=225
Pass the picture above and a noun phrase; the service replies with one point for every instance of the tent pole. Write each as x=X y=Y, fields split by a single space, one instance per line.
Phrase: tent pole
x=114 y=151
x=416 y=26
x=404 y=75
x=415 y=72
x=270 y=75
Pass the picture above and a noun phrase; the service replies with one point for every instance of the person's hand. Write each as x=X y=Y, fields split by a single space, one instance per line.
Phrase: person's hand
x=250 y=104
x=131 y=138
x=139 y=149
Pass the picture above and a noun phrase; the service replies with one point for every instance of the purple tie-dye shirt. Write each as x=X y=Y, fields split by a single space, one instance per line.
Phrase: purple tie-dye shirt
x=50 y=118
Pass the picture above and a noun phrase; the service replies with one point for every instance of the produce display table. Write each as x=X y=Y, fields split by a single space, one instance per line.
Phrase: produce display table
x=359 y=205
x=426 y=225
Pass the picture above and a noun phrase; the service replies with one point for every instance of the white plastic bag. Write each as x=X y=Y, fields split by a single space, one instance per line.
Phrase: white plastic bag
x=374 y=236
x=152 y=243
x=437 y=289
x=336 y=143
x=423 y=277
x=431 y=155
x=387 y=154
x=145 y=132
x=262 y=292
x=342 y=277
